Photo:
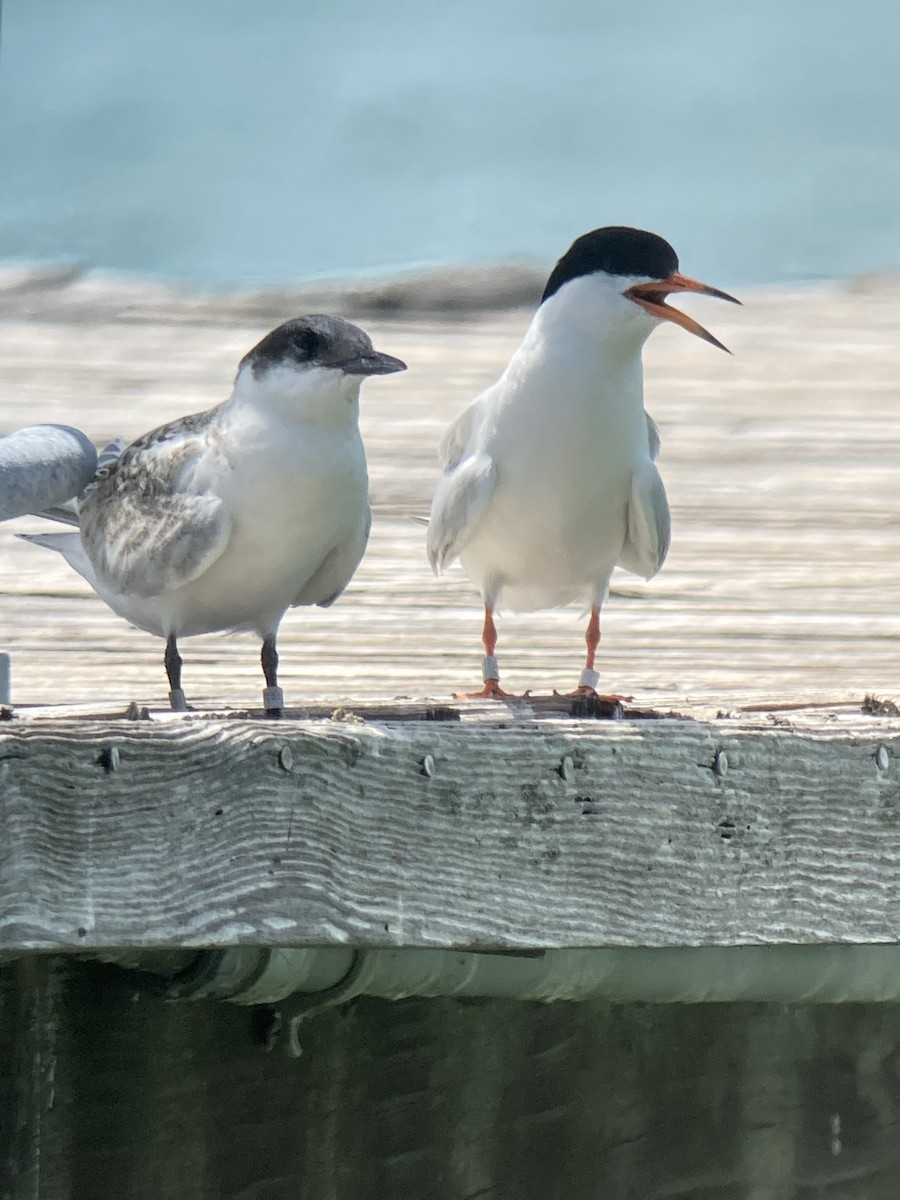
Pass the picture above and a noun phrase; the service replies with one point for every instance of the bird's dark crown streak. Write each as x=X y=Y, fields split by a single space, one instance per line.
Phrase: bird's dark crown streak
x=615 y=250
x=316 y=341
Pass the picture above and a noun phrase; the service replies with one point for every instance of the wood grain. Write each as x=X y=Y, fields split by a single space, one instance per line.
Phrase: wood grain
x=778 y=825
x=781 y=466
x=666 y=833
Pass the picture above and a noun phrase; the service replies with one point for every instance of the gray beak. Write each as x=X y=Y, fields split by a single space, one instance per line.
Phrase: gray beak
x=373 y=363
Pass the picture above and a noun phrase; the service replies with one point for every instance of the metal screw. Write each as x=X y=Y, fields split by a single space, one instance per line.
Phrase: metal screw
x=882 y=758
x=286 y=757
x=111 y=758
x=720 y=763
x=566 y=767
x=427 y=766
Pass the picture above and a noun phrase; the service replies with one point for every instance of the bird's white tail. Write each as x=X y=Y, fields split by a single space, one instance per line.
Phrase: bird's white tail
x=70 y=547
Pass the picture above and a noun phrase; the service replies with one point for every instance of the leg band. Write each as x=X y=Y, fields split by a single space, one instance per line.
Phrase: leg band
x=273 y=699
x=589 y=678
x=490 y=668
x=177 y=701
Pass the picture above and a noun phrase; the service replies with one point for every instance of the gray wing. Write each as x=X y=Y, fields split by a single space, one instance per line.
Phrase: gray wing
x=648 y=525
x=149 y=522
x=336 y=570
x=464 y=490
x=459 y=502
x=653 y=437
x=457 y=441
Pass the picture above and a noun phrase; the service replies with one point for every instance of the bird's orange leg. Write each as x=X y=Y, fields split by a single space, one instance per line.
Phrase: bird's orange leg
x=587 y=684
x=492 y=688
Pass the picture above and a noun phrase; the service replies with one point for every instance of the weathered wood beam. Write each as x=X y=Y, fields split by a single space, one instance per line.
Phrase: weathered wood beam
x=541 y=835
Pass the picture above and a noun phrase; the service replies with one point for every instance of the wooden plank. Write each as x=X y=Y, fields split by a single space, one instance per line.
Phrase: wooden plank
x=784 y=575
x=38 y=1139
x=195 y=831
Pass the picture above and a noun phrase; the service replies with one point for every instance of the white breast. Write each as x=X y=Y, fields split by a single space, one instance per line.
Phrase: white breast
x=565 y=427
x=294 y=490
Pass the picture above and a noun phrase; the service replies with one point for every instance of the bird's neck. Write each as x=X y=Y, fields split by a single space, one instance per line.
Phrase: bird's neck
x=320 y=399
x=575 y=349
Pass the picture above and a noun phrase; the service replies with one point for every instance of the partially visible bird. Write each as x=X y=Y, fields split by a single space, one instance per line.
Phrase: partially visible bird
x=225 y=519
x=43 y=465
x=549 y=478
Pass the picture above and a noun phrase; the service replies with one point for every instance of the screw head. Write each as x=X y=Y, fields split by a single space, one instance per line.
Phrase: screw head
x=566 y=767
x=720 y=763
x=286 y=758
x=882 y=758
x=427 y=767
x=111 y=758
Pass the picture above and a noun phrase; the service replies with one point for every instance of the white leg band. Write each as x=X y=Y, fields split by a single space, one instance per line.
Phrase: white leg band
x=589 y=678
x=273 y=699
x=490 y=668
x=177 y=701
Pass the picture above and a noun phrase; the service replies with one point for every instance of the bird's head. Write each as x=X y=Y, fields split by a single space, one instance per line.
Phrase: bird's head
x=635 y=271
x=315 y=360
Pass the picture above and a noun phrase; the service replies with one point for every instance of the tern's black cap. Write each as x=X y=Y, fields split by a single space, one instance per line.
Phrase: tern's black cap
x=320 y=341
x=617 y=250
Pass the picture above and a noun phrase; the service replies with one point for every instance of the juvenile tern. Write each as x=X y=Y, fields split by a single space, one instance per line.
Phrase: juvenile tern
x=549 y=479
x=225 y=519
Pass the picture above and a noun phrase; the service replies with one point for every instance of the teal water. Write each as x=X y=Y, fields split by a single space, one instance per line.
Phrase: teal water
x=245 y=142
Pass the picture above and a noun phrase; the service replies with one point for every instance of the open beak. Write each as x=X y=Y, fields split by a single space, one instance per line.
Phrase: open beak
x=651 y=297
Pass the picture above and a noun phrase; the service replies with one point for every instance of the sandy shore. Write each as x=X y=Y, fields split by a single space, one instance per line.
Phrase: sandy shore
x=781 y=465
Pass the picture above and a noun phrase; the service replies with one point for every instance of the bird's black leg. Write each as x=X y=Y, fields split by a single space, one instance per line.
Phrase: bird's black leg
x=273 y=697
x=173 y=670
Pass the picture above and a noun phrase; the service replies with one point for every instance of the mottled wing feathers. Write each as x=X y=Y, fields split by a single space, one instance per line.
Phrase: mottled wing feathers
x=146 y=522
x=648 y=525
x=170 y=548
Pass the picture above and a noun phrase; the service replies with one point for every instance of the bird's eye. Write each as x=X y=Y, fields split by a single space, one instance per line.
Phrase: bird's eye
x=305 y=344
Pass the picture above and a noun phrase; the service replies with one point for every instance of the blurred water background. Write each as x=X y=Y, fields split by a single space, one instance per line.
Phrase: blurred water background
x=238 y=143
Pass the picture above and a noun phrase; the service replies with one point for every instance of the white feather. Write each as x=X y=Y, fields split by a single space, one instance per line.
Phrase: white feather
x=647 y=527
x=549 y=481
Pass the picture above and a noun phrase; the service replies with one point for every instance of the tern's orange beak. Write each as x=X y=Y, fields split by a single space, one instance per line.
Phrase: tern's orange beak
x=651 y=297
